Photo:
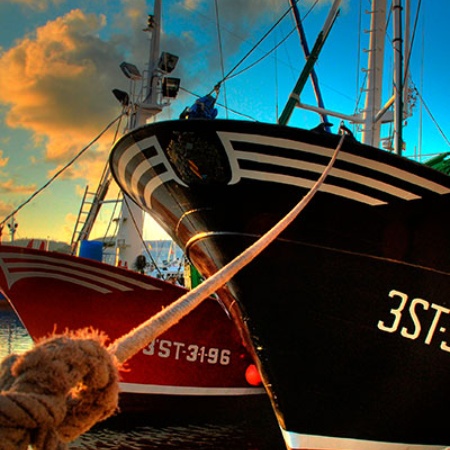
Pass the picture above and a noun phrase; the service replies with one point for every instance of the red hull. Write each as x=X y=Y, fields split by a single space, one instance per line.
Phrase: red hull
x=201 y=359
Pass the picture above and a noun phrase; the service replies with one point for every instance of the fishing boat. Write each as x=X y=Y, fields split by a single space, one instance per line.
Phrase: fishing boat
x=346 y=311
x=195 y=366
x=200 y=367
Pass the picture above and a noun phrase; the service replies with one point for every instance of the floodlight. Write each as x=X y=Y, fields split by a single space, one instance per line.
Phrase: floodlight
x=170 y=87
x=122 y=96
x=130 y=71
x=167 y=62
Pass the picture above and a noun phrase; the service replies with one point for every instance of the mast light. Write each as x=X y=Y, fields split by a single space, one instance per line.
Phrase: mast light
x=167 y=62
x=170 y=87
x=130 y=71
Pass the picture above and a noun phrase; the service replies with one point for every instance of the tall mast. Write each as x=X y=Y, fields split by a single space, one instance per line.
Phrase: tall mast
x=156 y=89
x=154 y=53
x=150 y=106
x=371 y=126
x=398 y=77
x=129 y=239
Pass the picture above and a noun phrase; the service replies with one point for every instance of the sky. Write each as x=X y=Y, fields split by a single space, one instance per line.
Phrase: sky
x=60 y=60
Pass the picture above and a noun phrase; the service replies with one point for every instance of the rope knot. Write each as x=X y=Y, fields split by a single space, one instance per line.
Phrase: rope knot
x=57 y=391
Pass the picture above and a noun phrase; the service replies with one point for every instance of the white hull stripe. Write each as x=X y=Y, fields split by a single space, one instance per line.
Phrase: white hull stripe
x=145 y=167
x=295 y=441
x=134 y=388
x=144 y=181
x=229 y=141
x=17 y=266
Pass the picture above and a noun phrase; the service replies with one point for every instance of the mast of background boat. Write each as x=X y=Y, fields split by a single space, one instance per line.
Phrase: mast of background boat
x=129 y=234
x=398 y=74
x=371 y=119
x=294 y=96
x=305 y=47
x=150 y=106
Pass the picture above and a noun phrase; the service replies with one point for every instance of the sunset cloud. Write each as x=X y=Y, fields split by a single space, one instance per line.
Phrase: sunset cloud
x=39 y=5
x=3 y=160
x=5 y=209
x=57 y=83
x=9 y=186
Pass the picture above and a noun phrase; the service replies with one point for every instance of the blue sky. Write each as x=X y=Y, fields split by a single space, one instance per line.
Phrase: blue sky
x=60 y=60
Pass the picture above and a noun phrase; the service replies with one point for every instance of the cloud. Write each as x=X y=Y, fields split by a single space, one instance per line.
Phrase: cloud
x=3 y=161
x=5 y=209
x=9 y=186
x=57 y=83
x=40 y=5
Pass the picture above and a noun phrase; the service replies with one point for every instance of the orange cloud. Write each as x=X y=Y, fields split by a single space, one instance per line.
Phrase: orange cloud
x=57 y=83
x=5 y=209
x=3 y=161
x=40 y=5
x=9 y=186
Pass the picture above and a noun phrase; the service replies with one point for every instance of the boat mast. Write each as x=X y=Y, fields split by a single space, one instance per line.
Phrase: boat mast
x=373 y=115
x=129 y=239
x=150 y=106
x=398 y=77
x=293 y=100
x=152 y=98
x=371 y=123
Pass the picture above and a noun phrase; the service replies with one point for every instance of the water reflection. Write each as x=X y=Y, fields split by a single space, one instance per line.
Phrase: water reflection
x=13 y=336
x=127 y=432
x=235 y=436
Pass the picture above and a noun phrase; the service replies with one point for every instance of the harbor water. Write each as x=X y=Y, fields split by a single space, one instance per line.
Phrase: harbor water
x=129 y=432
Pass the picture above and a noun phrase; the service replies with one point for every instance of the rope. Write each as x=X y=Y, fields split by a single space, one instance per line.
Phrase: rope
x=56 y=391
x=67 y=383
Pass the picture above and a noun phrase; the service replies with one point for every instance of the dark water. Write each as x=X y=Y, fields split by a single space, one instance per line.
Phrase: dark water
x=133 y=432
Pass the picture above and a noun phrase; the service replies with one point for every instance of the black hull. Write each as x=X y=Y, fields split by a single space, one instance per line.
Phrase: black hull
x=348 y=310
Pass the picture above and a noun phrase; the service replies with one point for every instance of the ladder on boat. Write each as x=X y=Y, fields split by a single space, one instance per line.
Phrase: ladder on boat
x=89 y=209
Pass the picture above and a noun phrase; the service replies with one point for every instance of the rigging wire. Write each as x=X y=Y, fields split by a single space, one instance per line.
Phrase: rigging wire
x=141 y=237
x=57 y=174
x=218 y=103
x=264 y=56
x=219 y=39
x=408 y=60
x=255 y=46
x=433 y=119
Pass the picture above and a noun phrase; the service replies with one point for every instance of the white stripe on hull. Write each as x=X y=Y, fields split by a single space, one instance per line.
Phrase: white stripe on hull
x=296 y=441
x=135 y=388
x=231 y=141
x=57 y=268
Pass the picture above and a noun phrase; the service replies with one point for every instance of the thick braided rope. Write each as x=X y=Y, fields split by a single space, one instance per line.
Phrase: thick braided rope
x=56 y=391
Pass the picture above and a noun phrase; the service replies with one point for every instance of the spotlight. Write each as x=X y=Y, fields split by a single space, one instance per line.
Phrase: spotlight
x=170 y=87
x=167 y=62
x=130 y=71
x=122 y=96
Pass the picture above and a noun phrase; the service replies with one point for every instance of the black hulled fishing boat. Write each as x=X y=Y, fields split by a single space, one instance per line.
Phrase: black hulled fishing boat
x=347 y=312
